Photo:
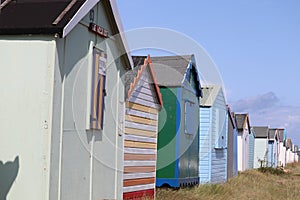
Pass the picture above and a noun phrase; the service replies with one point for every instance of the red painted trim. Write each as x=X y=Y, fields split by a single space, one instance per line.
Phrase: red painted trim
x=139 y=195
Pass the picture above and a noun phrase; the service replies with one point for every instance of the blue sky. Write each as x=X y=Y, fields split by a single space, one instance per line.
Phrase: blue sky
x=255 y=45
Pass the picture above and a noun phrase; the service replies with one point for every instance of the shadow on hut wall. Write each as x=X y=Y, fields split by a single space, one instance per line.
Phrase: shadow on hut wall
x=8 y=174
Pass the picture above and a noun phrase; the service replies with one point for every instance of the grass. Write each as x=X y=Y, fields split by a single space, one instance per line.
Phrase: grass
x=265 y=183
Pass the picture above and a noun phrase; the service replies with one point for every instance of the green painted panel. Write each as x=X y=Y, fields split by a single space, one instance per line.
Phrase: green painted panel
x=167 y=135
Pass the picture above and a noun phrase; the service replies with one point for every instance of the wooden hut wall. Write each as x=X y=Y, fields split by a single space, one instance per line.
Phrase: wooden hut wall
x=140 y=140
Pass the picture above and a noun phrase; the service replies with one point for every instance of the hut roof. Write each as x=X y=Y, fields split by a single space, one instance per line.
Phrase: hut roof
x=241 y=121
x=133 y=76
x=209 y=95
x=51 y=17
x=261 y=131
x=172 y=70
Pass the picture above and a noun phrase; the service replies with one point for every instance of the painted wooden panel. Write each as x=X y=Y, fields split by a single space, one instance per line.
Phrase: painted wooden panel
x=144 y=145
x=213 y=141
x=141 y=114
x=139 y=163
x=135 y=125
x=138 y=188
x=141 y=120
x=251 y=151
x=140 y=138
x=139 y=151
x=130 y=169
x=140 y=181
x=260 y=152
x=139 y=194
x=128 y=156
x=140 y=107
x=232 y=150
x=138 y=175
x=204 y=143
x=144 y=102
x=140 y=132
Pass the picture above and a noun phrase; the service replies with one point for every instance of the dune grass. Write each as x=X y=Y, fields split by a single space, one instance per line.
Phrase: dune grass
x=251 y=184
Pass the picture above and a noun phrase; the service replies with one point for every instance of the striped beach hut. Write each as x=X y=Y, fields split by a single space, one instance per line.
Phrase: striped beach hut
x=177 y=159
x=243 y=125
x=260 y=146
x=141 y=126
x=231 y=146
x=213 y=135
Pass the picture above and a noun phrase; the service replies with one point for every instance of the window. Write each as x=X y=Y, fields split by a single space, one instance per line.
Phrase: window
x=190 y=112
x=98 y=89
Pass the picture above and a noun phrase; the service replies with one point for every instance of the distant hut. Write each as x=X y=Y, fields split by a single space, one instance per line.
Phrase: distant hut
x=289 y=153
x=281 y=148
x=178 y=143
x=213 y=135
x=243 y=125
x=273 y=147
x=232 y=163
x=295 y=151
x=261 y=146
x=143 y=101
x=251 y=148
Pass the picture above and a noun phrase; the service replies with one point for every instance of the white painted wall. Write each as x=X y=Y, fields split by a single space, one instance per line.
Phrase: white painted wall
x=260 y=151
x=281 y=155
x=243 y=149
x=26 y=74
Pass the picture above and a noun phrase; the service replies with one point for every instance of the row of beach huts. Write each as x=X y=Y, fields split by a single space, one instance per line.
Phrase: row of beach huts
x=81 y=118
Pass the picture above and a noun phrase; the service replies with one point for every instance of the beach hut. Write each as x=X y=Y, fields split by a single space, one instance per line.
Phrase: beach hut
x=62 y=103
x=261 y=146
x=143 y=101
x=213 y=135
x=289 y=156
x=251 y=148
x=243 y=125
x=295 y=151
x=281 y=148
x=178 y=148
x=231 y=146
x=272 y=147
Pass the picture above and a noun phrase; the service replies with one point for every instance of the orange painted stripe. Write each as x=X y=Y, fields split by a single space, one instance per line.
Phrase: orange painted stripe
x=96 y=70
x=128 y=156
x=140 y=181
x=142 y=169
x=141 y=107
x=145 y=145
x=140 y=120
x=139 y=132
x=100 y=100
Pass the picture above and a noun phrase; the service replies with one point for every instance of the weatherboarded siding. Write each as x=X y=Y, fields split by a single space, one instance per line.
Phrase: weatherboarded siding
x=231 y=150
x=204 y=145
x=219 y=129
x=251 y=151
x=140 y=140
x=213 y=129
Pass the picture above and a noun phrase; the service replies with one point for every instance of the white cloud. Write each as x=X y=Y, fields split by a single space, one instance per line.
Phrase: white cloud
x=266 y=110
